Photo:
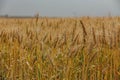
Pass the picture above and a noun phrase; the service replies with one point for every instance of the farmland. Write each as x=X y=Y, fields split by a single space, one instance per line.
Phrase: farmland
x=85 y=48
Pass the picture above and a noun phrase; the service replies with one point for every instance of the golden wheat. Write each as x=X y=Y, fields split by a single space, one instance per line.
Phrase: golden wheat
x=83 y=48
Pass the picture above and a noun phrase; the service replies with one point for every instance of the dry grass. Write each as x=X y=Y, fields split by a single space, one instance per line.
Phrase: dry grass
x=60 y=48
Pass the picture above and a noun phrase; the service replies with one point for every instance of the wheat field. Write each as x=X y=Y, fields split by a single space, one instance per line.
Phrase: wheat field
x=85 y=48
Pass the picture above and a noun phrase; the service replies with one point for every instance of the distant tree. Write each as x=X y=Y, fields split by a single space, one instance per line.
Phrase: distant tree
x=6 y=15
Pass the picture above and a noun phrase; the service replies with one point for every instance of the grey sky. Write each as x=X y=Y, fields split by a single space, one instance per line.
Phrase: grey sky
x=60 y=7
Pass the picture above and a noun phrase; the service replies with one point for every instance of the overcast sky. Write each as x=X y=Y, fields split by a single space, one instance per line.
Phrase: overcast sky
x=60 y=7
